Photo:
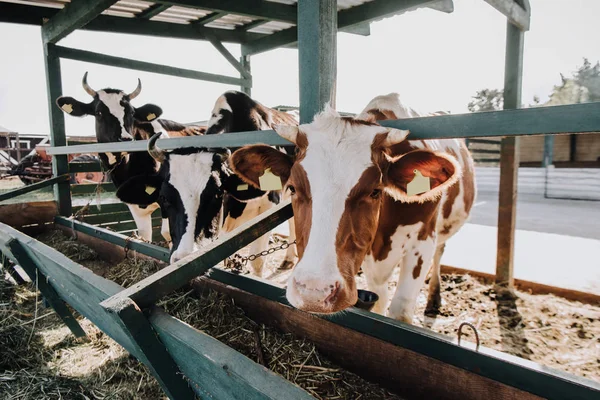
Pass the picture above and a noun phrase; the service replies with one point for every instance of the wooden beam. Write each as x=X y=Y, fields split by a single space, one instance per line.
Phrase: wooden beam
x=138 y=328
x=252 y=25
x=516 y=14
x=347 y=19
x=509 y=160
x=207 y=19
x=18 y=215
x=249 y=8
x=33 y=187
x=231 y=59
x=88 y=56
x=60 y=163
x=548 y=151
x=152 y=11
x=29 y=266
x=245 y=62
x=317 y=56
x=574 y=118
x=24 y=14
x=146 y=292
x=75 y=15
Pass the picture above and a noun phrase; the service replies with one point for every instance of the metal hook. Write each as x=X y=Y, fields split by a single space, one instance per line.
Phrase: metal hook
x=474 y=331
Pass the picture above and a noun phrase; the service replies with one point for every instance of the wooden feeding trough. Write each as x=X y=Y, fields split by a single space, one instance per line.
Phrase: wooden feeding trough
x=414 y=362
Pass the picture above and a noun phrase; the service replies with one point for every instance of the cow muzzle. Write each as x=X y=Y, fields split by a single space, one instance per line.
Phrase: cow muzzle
x=317 y=296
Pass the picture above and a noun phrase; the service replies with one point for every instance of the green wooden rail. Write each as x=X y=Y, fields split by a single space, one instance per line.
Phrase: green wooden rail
x=33 y=187
x=576 y=118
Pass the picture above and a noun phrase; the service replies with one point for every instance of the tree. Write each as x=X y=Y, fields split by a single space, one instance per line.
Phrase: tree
x=588 y=76
x=487 y=100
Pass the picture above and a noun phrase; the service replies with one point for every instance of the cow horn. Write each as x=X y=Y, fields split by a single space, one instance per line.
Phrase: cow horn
x=137 y=90
x=156 y=152
x=87 y=87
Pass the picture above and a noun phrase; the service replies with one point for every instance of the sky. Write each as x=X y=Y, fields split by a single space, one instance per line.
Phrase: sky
x=436 y=61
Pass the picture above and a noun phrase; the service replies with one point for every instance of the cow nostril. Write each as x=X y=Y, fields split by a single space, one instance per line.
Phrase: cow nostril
x=334 y=291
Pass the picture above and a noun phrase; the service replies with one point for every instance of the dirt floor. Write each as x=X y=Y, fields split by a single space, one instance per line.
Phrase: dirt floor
x=46 y=362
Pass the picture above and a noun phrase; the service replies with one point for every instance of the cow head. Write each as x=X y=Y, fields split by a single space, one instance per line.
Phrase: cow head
x=337 y=181
x=112 y=109
x=189 y=188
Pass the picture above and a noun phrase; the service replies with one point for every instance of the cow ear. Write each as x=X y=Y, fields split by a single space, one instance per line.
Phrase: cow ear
x=140 y=190
x=147 y=113
x=251 y=162
x=74 y=107
x=421 y=176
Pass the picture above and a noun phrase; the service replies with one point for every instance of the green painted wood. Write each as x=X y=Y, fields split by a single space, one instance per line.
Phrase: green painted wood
x=514 y=371
x=139 y=330
x=160 y=253
x=252 y=25
x=60 y=164
x=215 y=370
x=509 y=160
x=548 y=151
x=248 y=8
x=485 y=141
x=516 y=14
x=148 y=291
x=108 y=217
x=76 y=167
x=232 y=60
x=317 y=56
x=245 y=62
x=152 y=11
x=24 y=14
x=104 y=208
x=10 y=268
x=33 y=187
x=59 y=306
x=88 y=188
x=484 y=151
x=122 y=226
x=97 y=58
x=575 y=118
x=207 y=19
x=75 y=15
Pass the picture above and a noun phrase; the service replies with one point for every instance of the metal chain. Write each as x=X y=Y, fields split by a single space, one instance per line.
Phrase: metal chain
x=236 y=262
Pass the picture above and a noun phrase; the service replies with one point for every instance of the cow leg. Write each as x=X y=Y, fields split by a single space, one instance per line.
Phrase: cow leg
x=262 y=242
x=378 y=275
x=143 y=220
x=290 y=254
x=434 y=300
x=165 y=232
x=416 y=264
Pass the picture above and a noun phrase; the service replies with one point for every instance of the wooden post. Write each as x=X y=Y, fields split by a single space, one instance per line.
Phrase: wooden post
x=509 y=160
x=317 y=55
x=548 y=151
x=60 y=163
x=245 y=62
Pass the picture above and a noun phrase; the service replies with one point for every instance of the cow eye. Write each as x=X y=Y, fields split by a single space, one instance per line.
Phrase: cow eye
x=99 y=113
x=292 y=189
x=376 y=193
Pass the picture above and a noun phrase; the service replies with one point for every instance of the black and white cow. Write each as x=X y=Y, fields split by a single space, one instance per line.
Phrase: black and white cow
x=198 y=192
x=118 y=120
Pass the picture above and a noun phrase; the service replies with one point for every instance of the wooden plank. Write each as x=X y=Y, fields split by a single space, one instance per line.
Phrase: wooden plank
x=30 y=267
x=427 y=347
x=60 y=163
x=248 y=8
x=484 y=141
x=245 y=62
x=252 y=25
x=104 y=208
x=509 y=161
x=76 y=167
x=97 y=58
x=88 y=188
x=23 y=14
x=215 y=369
x=108 y=217
x=146 y=292
x=10 y=268
x=33 y=187
x=21 y=214
x=317 y=56
x=207 y=19
x=162 y=366
x=152 y=11
x=232 y=60
x=517 y=15
x=72 y=17
x=575 y=118
x=160 y=253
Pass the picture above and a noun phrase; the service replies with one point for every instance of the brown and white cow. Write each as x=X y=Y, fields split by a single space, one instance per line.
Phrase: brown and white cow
x=349 y=193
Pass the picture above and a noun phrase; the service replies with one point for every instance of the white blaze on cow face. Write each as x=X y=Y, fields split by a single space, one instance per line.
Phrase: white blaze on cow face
x=220 y=104
x=113 y=102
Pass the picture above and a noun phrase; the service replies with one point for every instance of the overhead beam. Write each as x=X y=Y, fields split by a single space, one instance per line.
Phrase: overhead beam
x=152 y=11
x=98 y=58
x=22 y=14
x=229 y=57
x=347 y=20
x=252 y=25
x=515 y=13
x=248 y=8
x=207 y=19
x=74 y=16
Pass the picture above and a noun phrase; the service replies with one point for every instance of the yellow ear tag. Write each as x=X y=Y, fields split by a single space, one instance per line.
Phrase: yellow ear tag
x=151 y=116
x=150 y=190
x=242 y=187
x=269 y=181
x=419 y=184
x=68 y=108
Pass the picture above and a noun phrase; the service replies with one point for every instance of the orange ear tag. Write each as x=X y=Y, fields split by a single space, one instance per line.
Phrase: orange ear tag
x=269 y=181
x=419 y=184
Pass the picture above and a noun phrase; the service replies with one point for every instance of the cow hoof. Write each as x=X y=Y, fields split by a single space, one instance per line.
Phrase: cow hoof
x=433 y=305
x=286 y=264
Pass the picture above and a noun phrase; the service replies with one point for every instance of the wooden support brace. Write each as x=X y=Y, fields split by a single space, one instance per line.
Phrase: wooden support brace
x=231 y=59
x=33 y=187
x=29 y=266
x=11 y=270
x=160 y=363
